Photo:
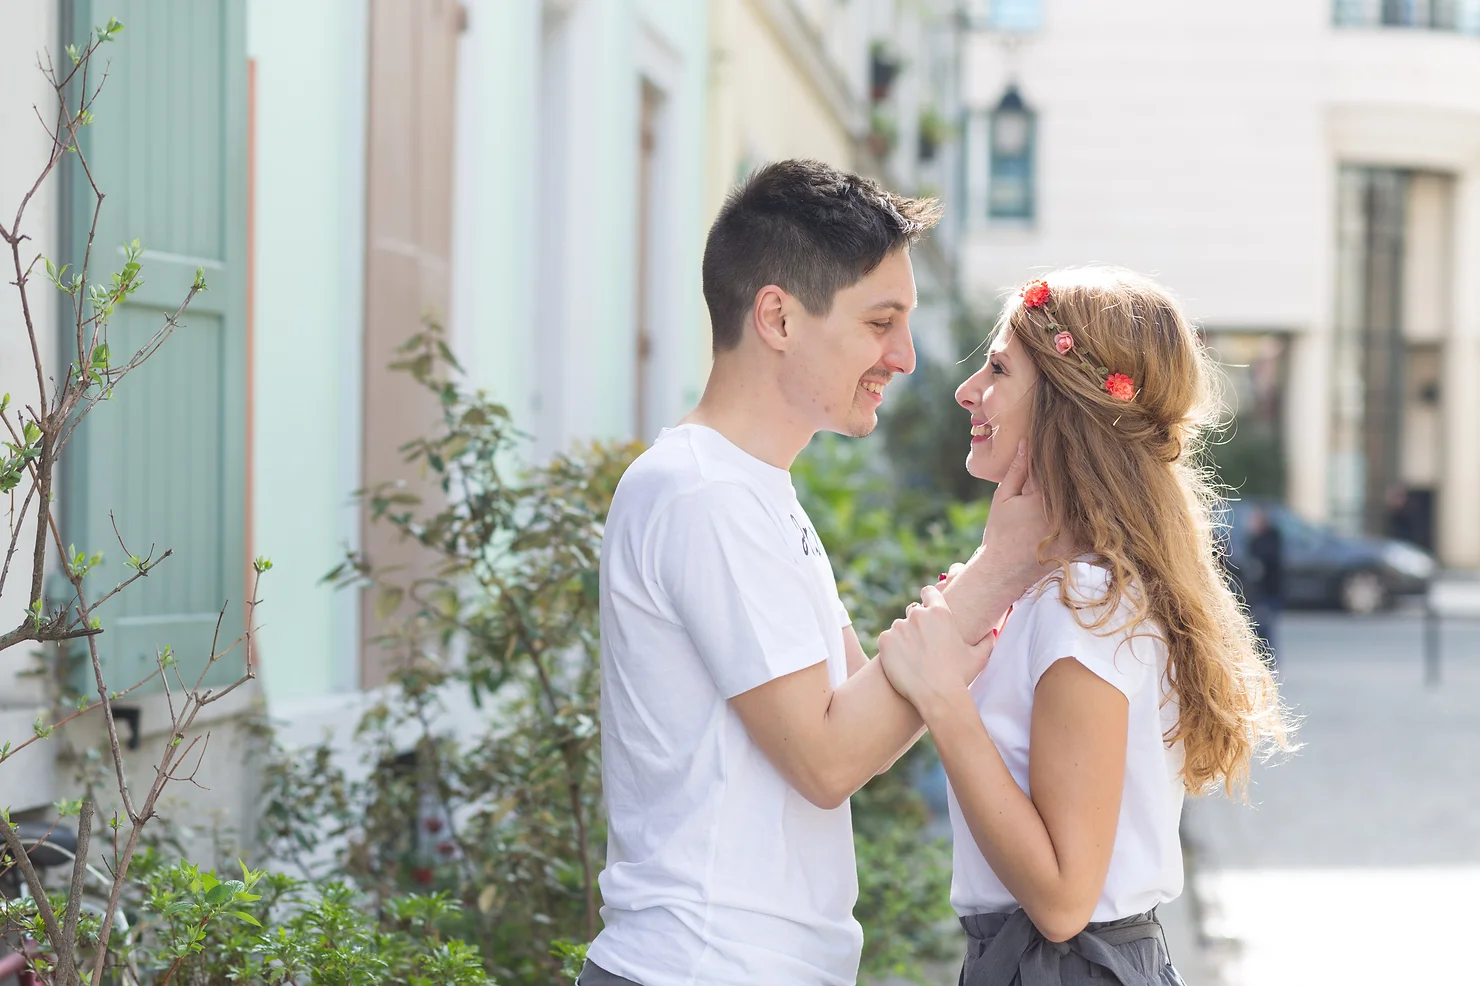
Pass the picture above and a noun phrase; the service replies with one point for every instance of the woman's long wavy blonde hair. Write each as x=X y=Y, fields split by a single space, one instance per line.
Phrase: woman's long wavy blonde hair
x=1128 y=482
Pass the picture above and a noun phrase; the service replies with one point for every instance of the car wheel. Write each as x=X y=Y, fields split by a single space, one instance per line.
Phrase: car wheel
x=1363 y=592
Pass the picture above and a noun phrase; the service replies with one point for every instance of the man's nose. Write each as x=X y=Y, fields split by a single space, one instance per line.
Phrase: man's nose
x=901 y=354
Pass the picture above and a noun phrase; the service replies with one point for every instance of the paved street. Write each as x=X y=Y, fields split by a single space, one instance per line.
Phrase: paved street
x=1358 y=859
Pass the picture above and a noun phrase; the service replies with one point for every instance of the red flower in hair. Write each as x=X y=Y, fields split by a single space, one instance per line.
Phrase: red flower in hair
x=1120 y=386
x=1063 y=342
x=1035 y=294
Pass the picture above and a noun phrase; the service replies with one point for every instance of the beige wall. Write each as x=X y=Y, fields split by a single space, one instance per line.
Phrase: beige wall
x=762 y=103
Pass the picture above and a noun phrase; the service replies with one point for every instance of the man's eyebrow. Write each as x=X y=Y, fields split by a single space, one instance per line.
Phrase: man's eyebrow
x=892 y=304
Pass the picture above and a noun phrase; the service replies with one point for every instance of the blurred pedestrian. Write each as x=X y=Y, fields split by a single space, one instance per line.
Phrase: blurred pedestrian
x=1263 y=579
x=1407 y=519
x=1124 y=679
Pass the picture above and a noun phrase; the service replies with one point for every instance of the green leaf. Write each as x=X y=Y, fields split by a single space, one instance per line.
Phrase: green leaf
x=244 y=916
x=66 y=808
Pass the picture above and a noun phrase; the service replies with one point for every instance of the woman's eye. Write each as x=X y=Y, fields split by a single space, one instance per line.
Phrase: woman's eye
x=997 y=370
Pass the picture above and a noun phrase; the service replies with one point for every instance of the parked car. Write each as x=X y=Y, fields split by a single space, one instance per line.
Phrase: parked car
x=1324 y=569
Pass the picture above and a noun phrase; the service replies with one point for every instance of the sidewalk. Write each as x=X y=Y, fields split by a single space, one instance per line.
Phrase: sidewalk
x=1358 y=859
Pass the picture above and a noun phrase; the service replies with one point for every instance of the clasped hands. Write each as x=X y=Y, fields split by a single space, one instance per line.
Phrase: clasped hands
x=924 y=655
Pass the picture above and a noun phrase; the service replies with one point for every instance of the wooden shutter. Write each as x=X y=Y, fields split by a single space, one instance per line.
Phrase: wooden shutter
x=167 y=457
x=409 y=172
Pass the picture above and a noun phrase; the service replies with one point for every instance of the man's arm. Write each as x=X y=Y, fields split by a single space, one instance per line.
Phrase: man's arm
x=828 y=742
x=856 y=661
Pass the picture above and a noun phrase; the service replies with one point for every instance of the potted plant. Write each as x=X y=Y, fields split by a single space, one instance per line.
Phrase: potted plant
x=884 y=66
x=934 y=131
x=883 y=134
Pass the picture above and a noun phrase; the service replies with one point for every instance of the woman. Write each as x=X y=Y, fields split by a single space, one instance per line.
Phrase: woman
x=1126 y=677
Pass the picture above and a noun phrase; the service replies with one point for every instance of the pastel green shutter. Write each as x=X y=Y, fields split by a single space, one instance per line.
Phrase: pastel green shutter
x=167 y=456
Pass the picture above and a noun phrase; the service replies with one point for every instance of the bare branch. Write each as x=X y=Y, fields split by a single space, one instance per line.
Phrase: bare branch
x=77 y=715
x=79 y=876
x=38 y=891
x=15 y=538
x=83 y=406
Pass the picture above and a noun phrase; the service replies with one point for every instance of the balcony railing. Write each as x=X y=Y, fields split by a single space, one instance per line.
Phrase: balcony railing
x=1462 y=16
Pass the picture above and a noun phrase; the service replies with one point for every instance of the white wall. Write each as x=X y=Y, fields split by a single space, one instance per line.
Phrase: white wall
x=26 y=31
x=1200 y=143
x=545 y=292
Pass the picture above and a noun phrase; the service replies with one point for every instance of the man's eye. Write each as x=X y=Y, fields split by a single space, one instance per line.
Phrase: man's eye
x=882 y=325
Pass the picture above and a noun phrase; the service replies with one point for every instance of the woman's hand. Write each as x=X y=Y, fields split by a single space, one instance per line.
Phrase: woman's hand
x=924 y=656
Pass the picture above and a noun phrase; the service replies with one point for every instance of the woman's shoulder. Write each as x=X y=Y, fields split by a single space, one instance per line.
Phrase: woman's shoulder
x=1083 y=583
x=1070 y=611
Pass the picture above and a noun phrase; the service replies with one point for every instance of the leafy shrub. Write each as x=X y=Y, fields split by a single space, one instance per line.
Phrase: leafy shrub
x=510 y=825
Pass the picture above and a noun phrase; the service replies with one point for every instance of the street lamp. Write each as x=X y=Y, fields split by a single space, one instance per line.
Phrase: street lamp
x=1012 y=125
x=1012 y=131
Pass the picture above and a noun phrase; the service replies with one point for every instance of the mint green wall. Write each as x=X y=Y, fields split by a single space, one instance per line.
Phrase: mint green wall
x=494 y=260
x=495 y=313
x=309 y=253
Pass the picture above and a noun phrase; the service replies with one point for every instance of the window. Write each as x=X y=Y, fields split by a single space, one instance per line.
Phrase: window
x=1011 y=136
x=1435 y=15
x=1011 y=16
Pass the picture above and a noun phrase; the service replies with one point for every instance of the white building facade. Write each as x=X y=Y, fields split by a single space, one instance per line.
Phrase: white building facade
x=1305 y=175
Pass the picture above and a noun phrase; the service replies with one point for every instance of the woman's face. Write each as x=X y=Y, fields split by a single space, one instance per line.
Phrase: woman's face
x=999 y=399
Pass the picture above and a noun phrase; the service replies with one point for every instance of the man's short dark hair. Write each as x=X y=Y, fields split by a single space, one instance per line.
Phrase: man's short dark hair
x=807 y=228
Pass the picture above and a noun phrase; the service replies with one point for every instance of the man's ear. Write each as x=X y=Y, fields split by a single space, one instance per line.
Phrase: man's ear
x=768 y=317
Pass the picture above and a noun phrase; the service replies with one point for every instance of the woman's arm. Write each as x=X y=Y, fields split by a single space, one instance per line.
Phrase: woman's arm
x=1052 y=850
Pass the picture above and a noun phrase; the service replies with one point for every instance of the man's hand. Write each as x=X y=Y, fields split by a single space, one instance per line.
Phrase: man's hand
x=1007 y=563
x=1017 y=524
x=924 y=655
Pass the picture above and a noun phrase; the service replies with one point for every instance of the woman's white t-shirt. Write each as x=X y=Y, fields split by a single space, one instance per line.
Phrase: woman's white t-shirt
x=1146 y=863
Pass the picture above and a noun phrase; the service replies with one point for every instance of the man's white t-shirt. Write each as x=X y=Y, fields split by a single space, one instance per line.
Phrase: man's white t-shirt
x=718 y=872
x=1146 y=862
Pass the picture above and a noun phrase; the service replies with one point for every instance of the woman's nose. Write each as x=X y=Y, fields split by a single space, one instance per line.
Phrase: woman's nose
x=968 y=395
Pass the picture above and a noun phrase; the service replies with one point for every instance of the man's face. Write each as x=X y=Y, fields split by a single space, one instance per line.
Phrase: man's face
x=844 y=359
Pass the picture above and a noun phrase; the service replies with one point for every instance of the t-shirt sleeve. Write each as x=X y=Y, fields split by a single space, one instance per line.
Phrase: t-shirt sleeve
x=725 y=567
x=1124 y=657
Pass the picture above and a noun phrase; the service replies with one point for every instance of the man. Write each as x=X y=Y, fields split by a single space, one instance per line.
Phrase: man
x=739 y=711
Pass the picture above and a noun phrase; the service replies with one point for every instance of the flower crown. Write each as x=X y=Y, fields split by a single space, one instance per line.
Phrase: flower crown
x=1036 y=295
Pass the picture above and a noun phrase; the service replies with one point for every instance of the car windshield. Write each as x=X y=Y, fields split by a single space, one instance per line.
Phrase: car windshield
x=1295 y=531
